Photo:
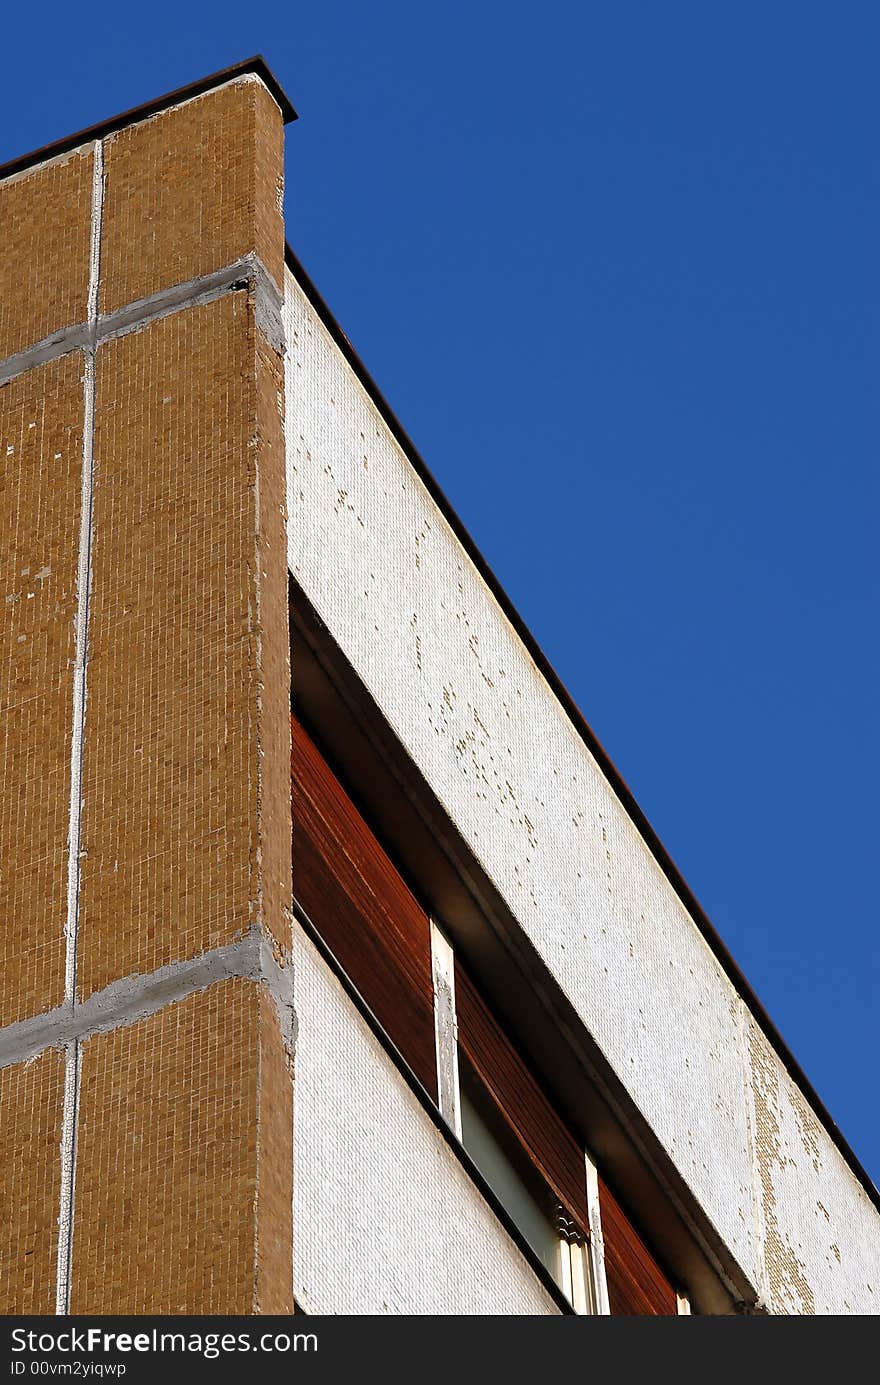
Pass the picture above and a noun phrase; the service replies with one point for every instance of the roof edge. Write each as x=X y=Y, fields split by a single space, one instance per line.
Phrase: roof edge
x=256 y=66
x=586 y=733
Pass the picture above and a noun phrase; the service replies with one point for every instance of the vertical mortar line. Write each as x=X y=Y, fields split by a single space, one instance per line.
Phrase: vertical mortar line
x=259 y=748
x=253 y=331
x=72 y=1055
x=68 y=1156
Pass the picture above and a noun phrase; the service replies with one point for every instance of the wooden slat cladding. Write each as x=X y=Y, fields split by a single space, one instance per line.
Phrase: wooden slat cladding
x=636 y=1283
x=361 y=906
x=545 y=1138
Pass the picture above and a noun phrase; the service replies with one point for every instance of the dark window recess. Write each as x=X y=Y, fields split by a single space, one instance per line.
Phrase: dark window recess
x=636 y=1284
x=544 y=1136
x=362 y=907
x=511 y=1175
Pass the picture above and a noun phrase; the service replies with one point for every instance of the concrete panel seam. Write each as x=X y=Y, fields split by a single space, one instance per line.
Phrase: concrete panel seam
x=247 y=272
x=61 y=343
x=133 y=998
x=83 y=580
x=71 y=1062
x=268 y=302
x=72 y=1069
x=278 y=981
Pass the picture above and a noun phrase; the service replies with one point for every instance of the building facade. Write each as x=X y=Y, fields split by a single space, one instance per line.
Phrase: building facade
x=341 y=972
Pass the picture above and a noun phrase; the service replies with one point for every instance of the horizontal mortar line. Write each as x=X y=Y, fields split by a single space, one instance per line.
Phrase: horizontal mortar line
x=247 y=271
x=60 y=343
x=133 y=998
x=193 y=292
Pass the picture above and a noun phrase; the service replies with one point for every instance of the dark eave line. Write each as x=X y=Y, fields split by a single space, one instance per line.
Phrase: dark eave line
x=606 y=764
x=256 y=65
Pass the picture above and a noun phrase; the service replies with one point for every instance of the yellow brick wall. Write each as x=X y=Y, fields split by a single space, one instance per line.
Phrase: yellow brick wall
x=191 y=190
x=171 y=1161
x=268 y=136
x=31 y=1101
x=40 y=479
x=170 y=830
x=44 y=271
x=274 y=729
x=183 y=1125
x=274 y=1229
x=189 y=662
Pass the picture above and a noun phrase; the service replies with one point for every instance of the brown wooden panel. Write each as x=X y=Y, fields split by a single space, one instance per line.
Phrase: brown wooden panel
x=362 y=907
x=637 y=1285
x=544 y=1136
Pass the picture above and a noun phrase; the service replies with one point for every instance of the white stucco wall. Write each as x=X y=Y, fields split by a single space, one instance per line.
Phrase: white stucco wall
x=822 y=1246
x=409 y=610
x=385 y=1219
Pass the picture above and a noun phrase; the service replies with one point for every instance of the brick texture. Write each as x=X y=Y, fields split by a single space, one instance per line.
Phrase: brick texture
x=172 y=796
x=273 y=1278
x=274 y=708
x=176 y=1131
x=184 y=1147
x=192 y=190
x=40 y=476
x=31 y=1100
x=44 y=270
x=268 y=144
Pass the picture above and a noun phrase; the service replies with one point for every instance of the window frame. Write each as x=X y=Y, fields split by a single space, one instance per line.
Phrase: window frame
x=511 y=1086
x=581 y=1260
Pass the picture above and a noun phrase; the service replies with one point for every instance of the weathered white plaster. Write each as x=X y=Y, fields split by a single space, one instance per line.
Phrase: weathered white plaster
x=385 y=1218
x=383 y=569
x=822 y=1247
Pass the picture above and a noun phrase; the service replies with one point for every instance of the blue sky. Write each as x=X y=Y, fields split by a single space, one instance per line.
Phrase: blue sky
x=614 y=264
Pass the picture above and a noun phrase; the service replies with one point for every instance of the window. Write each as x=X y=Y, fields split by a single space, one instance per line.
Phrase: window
x=407 y=973
x=530 y=1159
x=360 y=904
x=504 y=1165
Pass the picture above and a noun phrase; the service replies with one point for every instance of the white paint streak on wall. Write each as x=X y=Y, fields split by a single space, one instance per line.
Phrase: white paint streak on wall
x=383 y=569
x=385 y=1218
